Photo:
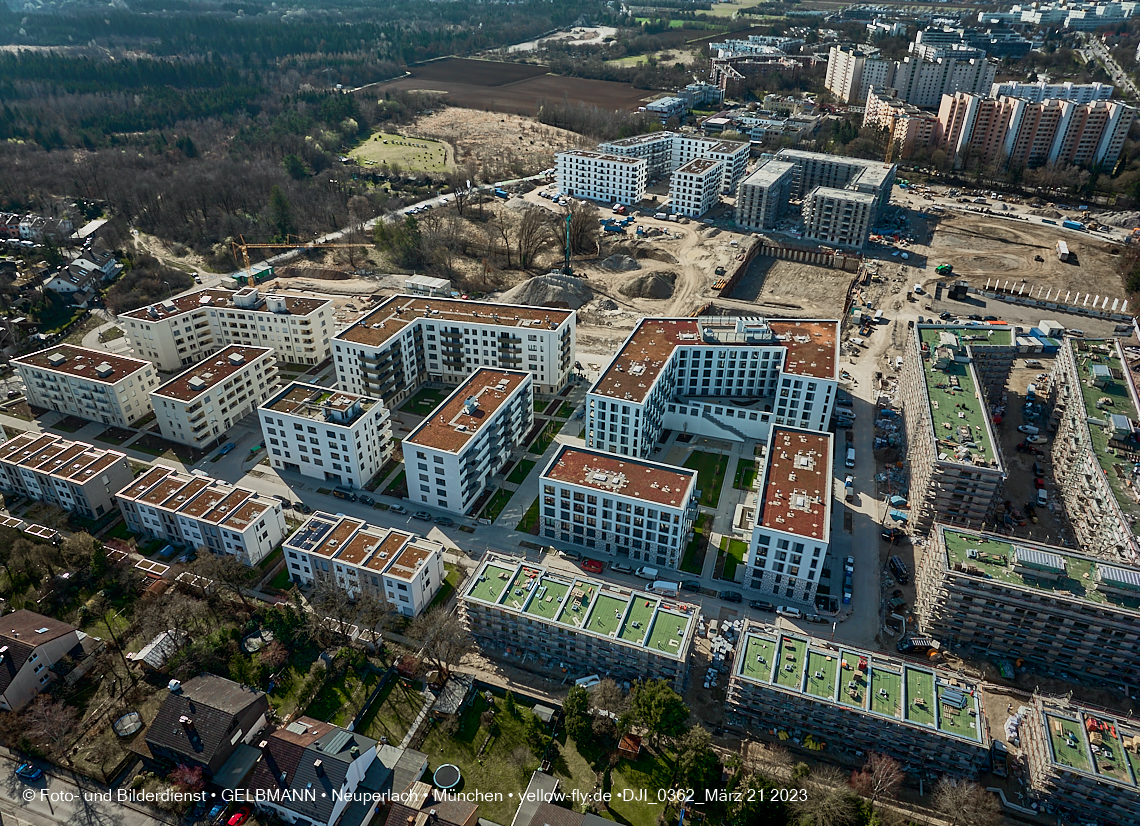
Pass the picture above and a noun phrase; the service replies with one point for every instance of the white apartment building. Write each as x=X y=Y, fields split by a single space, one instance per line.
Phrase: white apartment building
x=694 y=189
x=923 y=82
x=792 y=521
x=203 y=513
x=408 y=340
x=838 y=217
x=401 y=567
x=596 y=176
x=726 y=378
x=851 y=73
x=610 y=504
x=450 y=457
x=1041 y=91
x=184 y=330
x=200 y=405
x=665 y=152
x=327 y=434
x=91 y=384
x=764 y=194
x=74 y=476
x=655 y=148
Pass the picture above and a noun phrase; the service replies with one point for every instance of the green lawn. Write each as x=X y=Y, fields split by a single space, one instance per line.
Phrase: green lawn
x=398 y=486
x=529 y=522
x=710 y=468
x=111 y=334
x=393 y=712
x=565 y=411
x=521 y=471
x=649 y=772
x=120 y=531
x=412 y=154
x=282 y=581
x=694 y=561
x=338 y=701
x=745 y=476
x=425 y=400
x=572 y=768
x=735 y=552
x=539 y=446
x=450 y=583
x=506 y=763
x=495 y=506
x=283 y=698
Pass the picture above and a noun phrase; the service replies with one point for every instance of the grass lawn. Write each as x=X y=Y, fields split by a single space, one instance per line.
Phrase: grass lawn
x=745 y=476
x=694 y=561
x=529 y=522
x=282 y=581
x=571 y=767
x=710 y=469
x=115 y=435
x=541 y=404
x=157 y=446
x=425 y=400
x=338 y=701
x=120 y=531
x=283 y=698
x=70 y=424
x=450 y=582
x=565 y=411
x=111 y=334
x=506 y=763
x=521 y=471
x=539 y=446
x=412 y=154
x=649 y=771
x=393 y=712
x=496 y=505
x=398 y=486
x=735 y=551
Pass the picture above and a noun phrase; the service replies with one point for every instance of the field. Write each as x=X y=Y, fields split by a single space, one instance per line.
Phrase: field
x=510 y=87
x=412 y=154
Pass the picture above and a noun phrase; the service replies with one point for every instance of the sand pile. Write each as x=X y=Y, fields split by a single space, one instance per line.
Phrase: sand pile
x=620 y=263
x=655 y=285
x=1124 y=220
x=564 y=292
x=654 y=254
x=1046 y=213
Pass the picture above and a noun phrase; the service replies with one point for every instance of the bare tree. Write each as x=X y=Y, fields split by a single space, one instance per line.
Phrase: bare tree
x=50 y=724
x=582 y=232
x=332 y=612
x=503 y=232
x=531 y=237
x=227 y=573
x=373 y=612
x=965 y=803
x=608 y=696
x=445 y=639
x=828 y=800
x=879 y=778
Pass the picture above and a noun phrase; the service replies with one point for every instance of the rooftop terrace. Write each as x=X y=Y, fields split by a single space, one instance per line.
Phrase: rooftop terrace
x=321 y=404
x=1092 y=742
x=222 y=299
x=468 y=409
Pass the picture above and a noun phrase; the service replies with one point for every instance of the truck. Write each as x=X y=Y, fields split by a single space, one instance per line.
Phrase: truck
x=944 y=269
x=1070 y=224
x=1062 y=251
x=502 y=193
x=614 y=228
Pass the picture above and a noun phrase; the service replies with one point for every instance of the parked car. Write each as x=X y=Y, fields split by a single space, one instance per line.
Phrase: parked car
x=761 y=605
x=365 y=499
x=284 y=500
x=1037 y=469
x=846 y=596
x=397 y=509
x=731 y=596
x=444 y=521
x=302 y=507
x=12 y=394
x=893 y=534
x=423 y=516
x=621 y=567
x=240 y=816
x=29 y=773
x=691 y=585
x=1039 y=483
x=849 y=564
x=814 y=618
x=1036 y=440
x=594 y=566
x=216 y=813
x=226 y=449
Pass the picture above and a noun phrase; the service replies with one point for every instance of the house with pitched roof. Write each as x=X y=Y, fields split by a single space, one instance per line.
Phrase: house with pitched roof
x=30 y=644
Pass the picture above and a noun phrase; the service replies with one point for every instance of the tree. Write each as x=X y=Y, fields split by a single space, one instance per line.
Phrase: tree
x=187 y=778
x=295 y=167
x=659 y=709
x=274 y=655
x=49 y=723
x=280 y=212
x=583 y=228
x=445 y=640
x=879 y=778
x=535 y=733
x=965 y=803
x=332 y=613
x=576 y=713
x=531 y=237
x=827 y=801
x=751 y=804
x=228 y=574
x=503 y=230
x=697 y=764
x=608 y=696
x=78 y=550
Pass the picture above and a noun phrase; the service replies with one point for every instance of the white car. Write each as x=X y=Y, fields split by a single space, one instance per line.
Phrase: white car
x=849 y=564
x=1036 y=440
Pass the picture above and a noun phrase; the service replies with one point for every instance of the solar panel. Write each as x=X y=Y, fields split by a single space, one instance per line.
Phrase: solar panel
x=1120 y=577
x=1042 y=560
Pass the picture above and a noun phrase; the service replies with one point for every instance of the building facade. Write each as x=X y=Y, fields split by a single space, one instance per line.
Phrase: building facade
x=327 y=434
x=727 y=378
x=407 y=341
x=596 y=176
x=201 y=404
x=852 y=73
x=666 y=152
x=1041 y=91
x=203 y=513
x=397 y=566
x=611 y=505
x=453 y=453
x=694 y=188
x=32 y=644
x=74 y=476
x=91 y=384
x=763 y=195
x=584 y=626
x=923 y=81
x=184 y=330
x=838 y=217
x=910 y=128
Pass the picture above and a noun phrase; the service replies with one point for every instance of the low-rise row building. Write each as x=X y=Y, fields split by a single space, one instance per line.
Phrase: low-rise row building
x=582 y=625
x=74 y=476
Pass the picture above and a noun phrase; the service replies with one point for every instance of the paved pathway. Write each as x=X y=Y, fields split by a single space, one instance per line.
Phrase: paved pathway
x=429 y=701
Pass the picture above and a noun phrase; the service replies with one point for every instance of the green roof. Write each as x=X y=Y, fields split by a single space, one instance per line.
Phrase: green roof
x=1109 y=759
x=489 y=586
x=822 y=664
x=518 y=593
x=667 y=632
x=920 y=697
x=849 y=673
x=547 y=599
x=605 y=618
x=957 y=409
x=890 y=684
x=637 y=618
x=1086 y=356
x=790 y=671
x=758 y=658
x=1068 y=742
x=955 y=720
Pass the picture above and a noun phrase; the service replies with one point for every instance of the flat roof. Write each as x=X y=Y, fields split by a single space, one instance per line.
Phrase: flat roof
x=958 y=412
x=796 y=494
x=601 y=156
x=843 y=194
x=214 y=370
x=1089 y=741
x=214 y=298
x=859 y=680
x=769 y=172
x=388 y=548
x=312 y=401
x=637 y=140
x=698 y=165
x=198 y=497
x=92 y=365
x=624 y=616
x=810 y=348
x=409 y=560
x=390 y=551
x=57 y=456
x=399 y=311
x=622 y=476
x=993 y=557
x=468 y=409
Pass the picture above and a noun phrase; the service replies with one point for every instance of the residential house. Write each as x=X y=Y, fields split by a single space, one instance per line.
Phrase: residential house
x=30 y=644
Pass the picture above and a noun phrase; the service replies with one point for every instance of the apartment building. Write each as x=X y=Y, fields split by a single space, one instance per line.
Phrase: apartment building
x=184 y=330
x=583 y=626
x=1023 y=132
x=609 y=504
x=1093 y=449
x=408 y=340
x=694 y=188
x=996 y=595
x=596 y=176
x=398 y=566
x=451 y=455
x=728 y=378
x=91 y=384
x=327 y=434
x=763 y=195
x=792 y=521
x=1083 y=760
x=994 y=42
x=666 y=152
x=854 y=701
x=922 y=81
x=852 y=73
x=956 y=468
x=73 y=476
x=910 y=128
x=1043 y=90
x=201 y=404
x=838 y=217
x=202 y=513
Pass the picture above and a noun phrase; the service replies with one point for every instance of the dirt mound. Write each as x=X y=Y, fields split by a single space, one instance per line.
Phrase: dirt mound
x=605 y=304
x=655 y=285
x=1046 y=213
x=655 y=255
x=620 y=263
x=564 y=292
x=1124 y=220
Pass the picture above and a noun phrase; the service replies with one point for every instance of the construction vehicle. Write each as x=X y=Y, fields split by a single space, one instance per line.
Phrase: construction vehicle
x=240 y=246
x=944 y=269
